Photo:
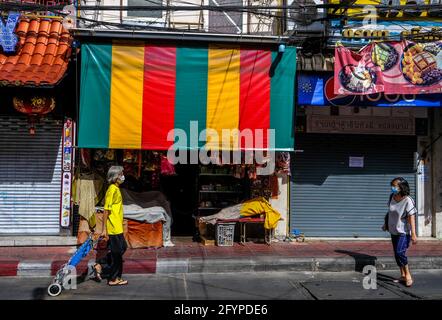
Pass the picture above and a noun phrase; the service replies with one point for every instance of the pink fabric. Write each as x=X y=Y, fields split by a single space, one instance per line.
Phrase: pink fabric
x=167 y=168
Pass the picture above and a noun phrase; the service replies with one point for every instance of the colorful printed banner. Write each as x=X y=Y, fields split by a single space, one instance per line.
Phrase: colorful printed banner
x=133 y=95
x=400 y=67
x=317 y=89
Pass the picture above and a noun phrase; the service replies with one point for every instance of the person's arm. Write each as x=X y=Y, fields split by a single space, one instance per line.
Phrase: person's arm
x=104 y=228
x=107 y=211
x=412 y=222
x=385 y=225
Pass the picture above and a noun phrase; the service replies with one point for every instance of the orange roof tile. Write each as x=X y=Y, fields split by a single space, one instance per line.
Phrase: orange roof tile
x=42 y=56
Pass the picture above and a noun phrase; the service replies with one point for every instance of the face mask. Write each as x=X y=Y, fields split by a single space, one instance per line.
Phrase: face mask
x=122 y=178
x=394 y=190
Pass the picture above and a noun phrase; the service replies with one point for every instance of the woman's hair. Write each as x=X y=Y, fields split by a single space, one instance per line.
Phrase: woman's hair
x=403 y=185
x=113 y=173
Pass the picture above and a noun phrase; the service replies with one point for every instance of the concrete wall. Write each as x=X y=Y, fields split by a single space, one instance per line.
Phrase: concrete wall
x=281 y=205
x=423 y=193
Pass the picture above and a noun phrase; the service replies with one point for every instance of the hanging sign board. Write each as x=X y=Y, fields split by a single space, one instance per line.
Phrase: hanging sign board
x=317 y=89
x=356 y=33
x=387 y=9
x=68 y=159
x=66 y=199
x=360 y=125
x=8 y=38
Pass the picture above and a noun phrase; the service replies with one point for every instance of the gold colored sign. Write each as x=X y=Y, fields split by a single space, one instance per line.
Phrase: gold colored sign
x=364 y=33
x=383 y=13
x=417 y=33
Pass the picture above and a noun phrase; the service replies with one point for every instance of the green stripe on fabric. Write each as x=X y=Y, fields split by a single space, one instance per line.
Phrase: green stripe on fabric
x=96 y=62
x=191 y=93
x=282 y=98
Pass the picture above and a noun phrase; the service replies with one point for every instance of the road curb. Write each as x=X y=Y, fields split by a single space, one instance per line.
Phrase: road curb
x=223 y=265
x=8 y=268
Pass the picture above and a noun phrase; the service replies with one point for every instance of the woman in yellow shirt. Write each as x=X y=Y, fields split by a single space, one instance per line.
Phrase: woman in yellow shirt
x=113 y=227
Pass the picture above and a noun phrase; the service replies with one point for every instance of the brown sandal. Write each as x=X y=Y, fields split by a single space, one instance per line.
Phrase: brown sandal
x=120 y=282
x=399 y=280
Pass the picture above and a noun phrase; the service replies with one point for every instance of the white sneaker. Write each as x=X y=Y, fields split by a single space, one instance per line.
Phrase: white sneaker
x=168 y=244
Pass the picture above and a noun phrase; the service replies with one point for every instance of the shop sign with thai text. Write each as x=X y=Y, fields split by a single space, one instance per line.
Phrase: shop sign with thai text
x=360 y=125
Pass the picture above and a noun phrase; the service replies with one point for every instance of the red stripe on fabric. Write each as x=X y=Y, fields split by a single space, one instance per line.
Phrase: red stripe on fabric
x=254 y=110
x=158 y=96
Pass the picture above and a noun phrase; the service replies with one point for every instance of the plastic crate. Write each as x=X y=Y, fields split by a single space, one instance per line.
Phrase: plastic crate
x=225 y=233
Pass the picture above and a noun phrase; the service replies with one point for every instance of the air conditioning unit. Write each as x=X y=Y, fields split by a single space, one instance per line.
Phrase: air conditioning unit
x=303 y=16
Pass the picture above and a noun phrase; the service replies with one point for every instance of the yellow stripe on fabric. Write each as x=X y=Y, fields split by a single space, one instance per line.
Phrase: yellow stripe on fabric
x=223 y=85
x=126 y=114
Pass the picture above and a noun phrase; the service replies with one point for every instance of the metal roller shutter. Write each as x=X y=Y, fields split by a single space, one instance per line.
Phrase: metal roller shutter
x=330 y=199
x=30 y=177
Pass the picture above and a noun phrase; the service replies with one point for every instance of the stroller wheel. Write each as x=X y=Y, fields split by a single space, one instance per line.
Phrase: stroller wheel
x=54 y=289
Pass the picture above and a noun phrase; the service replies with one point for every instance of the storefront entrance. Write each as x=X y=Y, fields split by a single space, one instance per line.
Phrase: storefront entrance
x=30 y=176
x=340 y=183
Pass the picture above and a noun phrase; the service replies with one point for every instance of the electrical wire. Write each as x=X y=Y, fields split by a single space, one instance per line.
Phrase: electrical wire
x=253 y=10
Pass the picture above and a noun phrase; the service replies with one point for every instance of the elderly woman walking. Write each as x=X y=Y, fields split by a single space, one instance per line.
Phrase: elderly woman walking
x=400 y=222
x=113 y=228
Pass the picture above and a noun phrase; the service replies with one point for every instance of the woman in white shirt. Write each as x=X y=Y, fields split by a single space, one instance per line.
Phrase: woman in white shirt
x=400 y=221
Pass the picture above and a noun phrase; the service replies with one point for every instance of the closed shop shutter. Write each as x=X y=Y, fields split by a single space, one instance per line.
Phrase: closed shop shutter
x=331 y=199
x=30 y=176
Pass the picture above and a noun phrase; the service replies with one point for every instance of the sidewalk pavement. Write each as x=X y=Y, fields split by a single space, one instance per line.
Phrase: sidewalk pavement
x=190 y=257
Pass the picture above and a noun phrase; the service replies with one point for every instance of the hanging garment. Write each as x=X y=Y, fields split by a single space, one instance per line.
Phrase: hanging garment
x=274 y=184
x=85 y=157
x=167 y=168
x=87 y=193
x=283 y=162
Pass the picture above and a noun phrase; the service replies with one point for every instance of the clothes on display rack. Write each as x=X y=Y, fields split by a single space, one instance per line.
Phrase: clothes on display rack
x=283 y=163
x=87 y=191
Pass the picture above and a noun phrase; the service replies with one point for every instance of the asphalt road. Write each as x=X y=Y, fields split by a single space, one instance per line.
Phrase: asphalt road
x=229 y=286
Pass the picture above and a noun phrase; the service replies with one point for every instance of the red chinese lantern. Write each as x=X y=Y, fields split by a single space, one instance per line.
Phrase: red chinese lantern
x=34 y=107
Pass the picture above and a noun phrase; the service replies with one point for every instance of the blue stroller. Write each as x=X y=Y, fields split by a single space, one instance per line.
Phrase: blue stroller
x=64 y=273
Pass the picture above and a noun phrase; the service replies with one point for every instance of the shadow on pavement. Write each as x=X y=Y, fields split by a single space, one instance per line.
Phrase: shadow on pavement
x=361 y=260
x=387 y=279
x=42 y=293
x=39 y=293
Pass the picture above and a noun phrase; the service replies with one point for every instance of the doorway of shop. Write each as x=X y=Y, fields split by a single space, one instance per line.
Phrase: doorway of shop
x=181 y=190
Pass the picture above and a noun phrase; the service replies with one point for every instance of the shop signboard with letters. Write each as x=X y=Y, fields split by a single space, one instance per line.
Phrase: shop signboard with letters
x=360 y=125
x=68 y=160
x=388 y=9
x=317 y=89
x=368 y=20
x=356 y=33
